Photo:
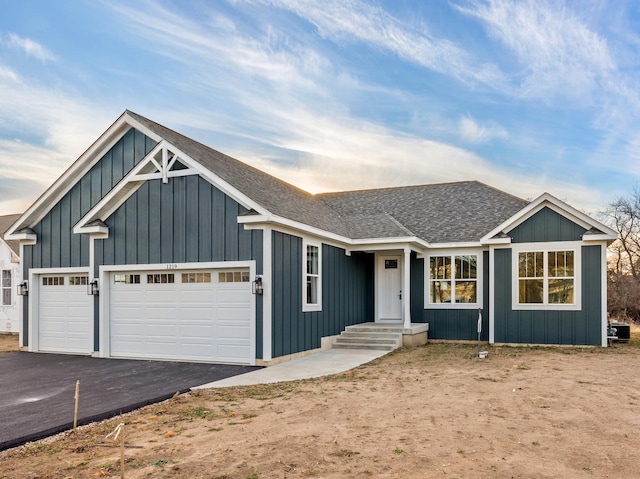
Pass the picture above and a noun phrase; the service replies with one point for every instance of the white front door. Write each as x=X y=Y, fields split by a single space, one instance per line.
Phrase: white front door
x=389 y=288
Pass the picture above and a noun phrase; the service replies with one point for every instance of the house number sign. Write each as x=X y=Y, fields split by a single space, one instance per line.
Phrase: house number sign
x=172 y=266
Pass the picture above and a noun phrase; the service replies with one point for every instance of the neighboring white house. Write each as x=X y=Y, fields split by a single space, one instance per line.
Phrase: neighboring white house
x=10 y=274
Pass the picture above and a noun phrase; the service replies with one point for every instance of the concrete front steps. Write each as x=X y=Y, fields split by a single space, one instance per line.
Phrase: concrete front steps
x=382 y=336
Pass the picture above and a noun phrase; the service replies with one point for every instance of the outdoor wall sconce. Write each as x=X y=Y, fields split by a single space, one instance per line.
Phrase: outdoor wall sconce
x=23 y=288
x=92 y=287
x=256 y=286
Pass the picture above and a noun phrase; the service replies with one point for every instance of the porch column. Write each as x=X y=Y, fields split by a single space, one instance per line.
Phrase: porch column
x=406 y=289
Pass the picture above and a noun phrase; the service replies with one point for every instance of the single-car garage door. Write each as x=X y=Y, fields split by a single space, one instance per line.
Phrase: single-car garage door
x=181 y=315
x=64 y=313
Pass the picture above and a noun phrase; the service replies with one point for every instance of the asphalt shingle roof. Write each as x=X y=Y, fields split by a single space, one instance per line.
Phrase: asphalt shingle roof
x=440 y=213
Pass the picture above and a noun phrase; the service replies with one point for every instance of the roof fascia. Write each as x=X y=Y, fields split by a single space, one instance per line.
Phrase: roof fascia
x=467 y=245
x=134 y=180
x=259 y=221
x=77 y=170
x=553 y=203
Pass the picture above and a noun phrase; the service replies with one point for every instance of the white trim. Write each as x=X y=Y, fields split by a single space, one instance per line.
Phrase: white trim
x=308 y=307
x=105 y=310
x=267 y=295
x=34 y=304
x=603 y=292
x=469 y=244
x=544 y=247
x=300 y=229
x=479 y=253
x=492 y=294
x=30 y=238
x=406 y=288
x=560 y=207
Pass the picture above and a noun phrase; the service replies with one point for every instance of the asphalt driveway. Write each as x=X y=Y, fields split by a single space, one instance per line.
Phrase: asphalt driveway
x=37 y=390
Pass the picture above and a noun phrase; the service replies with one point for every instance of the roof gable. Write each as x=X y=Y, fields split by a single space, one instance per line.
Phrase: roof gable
x=592 y=229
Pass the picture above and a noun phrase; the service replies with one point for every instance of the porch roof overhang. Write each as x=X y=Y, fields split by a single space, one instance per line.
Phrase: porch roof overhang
x=254 y=220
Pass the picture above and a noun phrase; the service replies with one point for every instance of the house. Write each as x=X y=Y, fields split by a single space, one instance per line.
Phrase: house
x=9 y=271
x=152 y=245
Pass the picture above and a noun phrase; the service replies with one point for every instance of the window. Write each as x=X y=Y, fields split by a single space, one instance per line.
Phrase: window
x=78 y=280
x=453 y=275
x=53 y=281
x=6 y=287
x=550 y=271
x=126 y=278
x=160 y=278
x=196 y=277
x=453 y=279
x=312 y=279
x=546 y=277
x=233 y=277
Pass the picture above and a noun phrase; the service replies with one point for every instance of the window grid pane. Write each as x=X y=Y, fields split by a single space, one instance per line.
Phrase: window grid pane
x=552 y=272
x=453 y=279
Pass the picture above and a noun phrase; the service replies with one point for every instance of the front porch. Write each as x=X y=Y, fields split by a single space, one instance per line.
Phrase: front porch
x=382 y=336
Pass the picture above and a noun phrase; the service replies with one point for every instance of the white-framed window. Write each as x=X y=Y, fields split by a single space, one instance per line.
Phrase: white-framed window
x=453 y=280
x=547 y=276
x=311 y=276
x=6 y=287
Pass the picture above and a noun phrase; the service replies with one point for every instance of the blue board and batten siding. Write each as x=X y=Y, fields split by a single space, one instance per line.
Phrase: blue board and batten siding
x=582 y=327
x=450 y=323
x=549 y=326
x=347 y=295
x=546 y=225
x=57 y=246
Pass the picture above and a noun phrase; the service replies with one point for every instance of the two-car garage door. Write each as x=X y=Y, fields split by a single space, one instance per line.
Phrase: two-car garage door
x=202 y=315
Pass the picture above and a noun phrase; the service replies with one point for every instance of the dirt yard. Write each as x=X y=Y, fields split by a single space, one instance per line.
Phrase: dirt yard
x=434 y=411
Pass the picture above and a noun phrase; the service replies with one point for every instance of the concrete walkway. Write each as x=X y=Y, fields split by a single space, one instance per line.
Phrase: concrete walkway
x=323 y=363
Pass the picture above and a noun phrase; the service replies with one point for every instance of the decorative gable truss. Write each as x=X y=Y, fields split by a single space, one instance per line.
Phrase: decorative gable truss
x=162 y=163
x=165 y=161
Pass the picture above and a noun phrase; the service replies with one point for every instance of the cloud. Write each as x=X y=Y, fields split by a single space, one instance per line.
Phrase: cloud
x=352 y=21
x=556 y=50
x=29 y=47
x=292 y=123
x=472 y=132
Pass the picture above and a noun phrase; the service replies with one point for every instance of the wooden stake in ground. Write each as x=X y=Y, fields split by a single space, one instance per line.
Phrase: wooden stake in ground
x=122 y=452
x=119 y=432
x=75 y=412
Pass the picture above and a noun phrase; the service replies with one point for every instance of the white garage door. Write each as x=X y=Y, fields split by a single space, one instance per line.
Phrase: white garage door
x=183 y=315
x=64 y=313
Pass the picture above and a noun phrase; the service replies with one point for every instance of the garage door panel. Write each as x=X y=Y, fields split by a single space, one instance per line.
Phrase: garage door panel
x=230 y=314
x=197 y=314
x=204 y=331
x=129 y=328
x=233 y=353
x=199 y=319
x=64 y=314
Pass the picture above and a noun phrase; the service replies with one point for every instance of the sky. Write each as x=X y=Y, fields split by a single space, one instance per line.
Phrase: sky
x=526 y=96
